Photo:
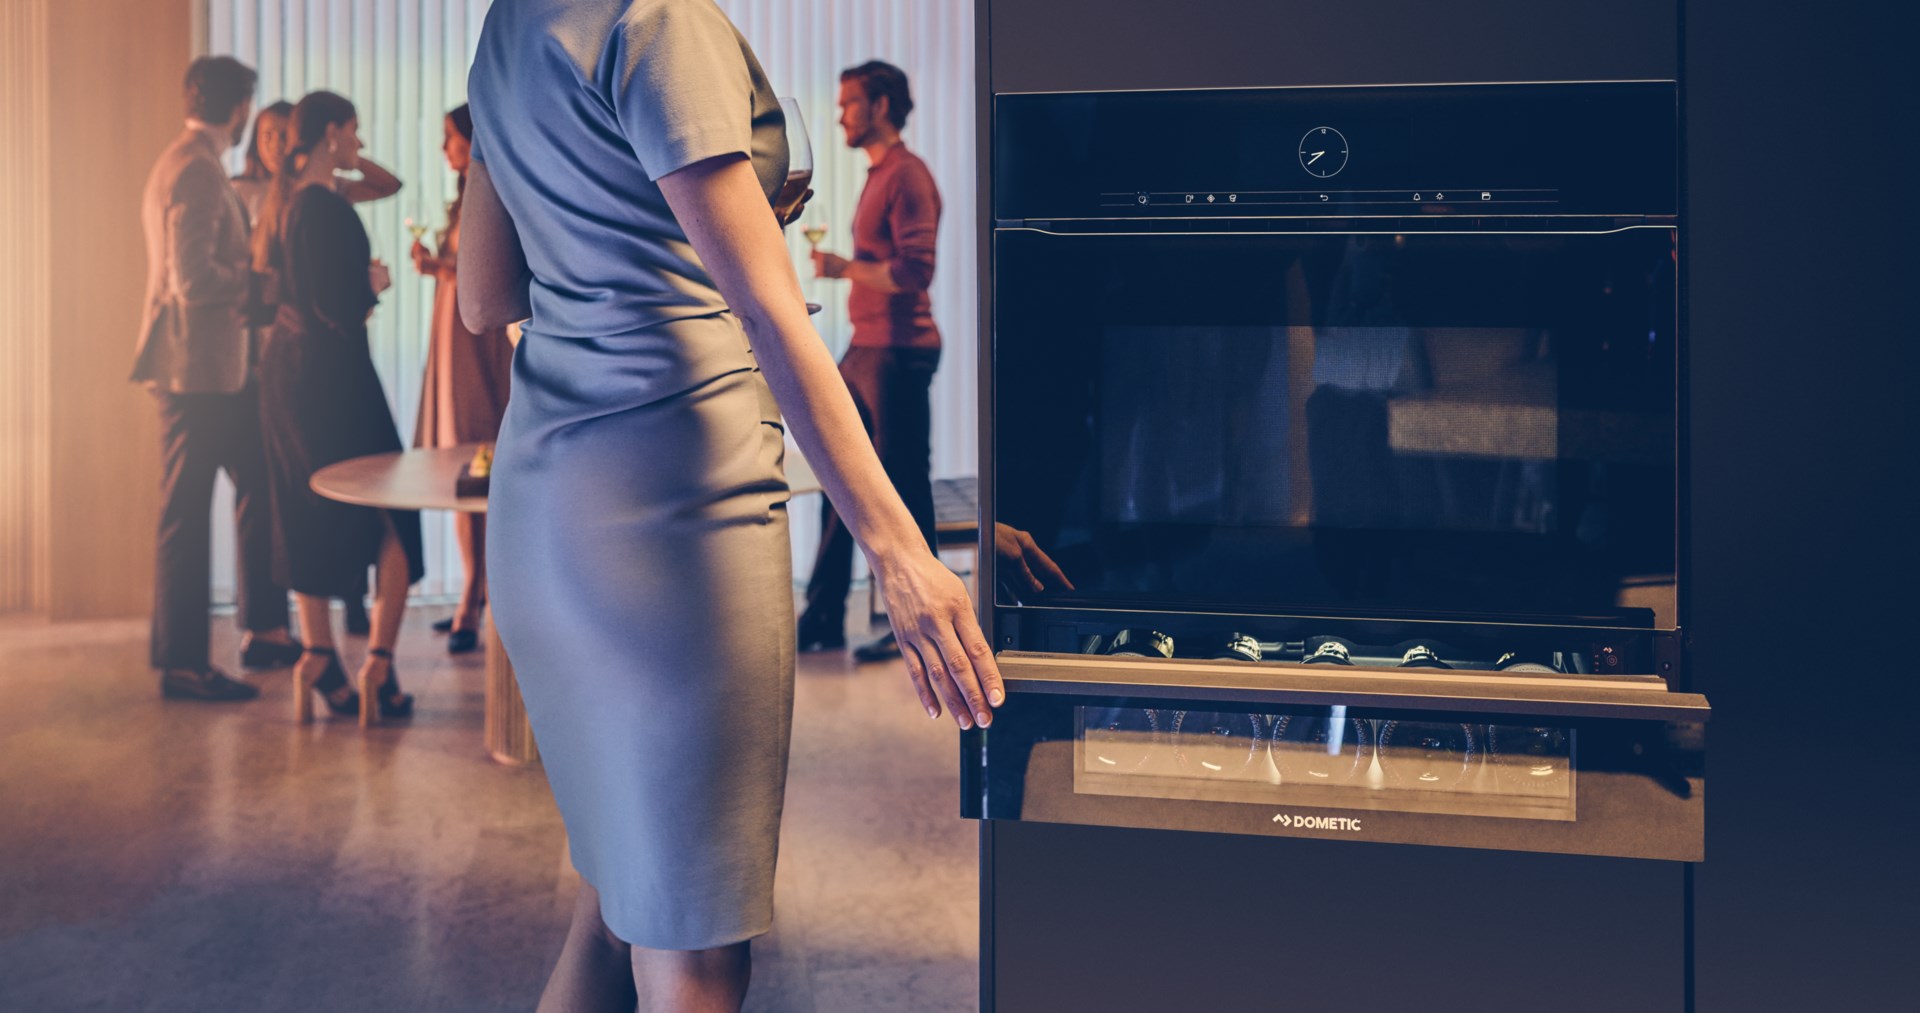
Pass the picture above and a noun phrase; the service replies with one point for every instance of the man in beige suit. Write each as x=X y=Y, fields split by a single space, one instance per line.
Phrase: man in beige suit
x=195 y=354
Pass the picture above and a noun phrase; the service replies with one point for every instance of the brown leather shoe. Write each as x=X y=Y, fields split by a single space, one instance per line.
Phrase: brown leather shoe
x=209 y=685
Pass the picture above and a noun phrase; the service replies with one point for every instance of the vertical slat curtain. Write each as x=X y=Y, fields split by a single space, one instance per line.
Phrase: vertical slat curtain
x=404 y=63
x=25 y=305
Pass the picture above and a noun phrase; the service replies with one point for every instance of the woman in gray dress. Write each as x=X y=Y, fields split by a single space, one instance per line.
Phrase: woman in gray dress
x=625 y=156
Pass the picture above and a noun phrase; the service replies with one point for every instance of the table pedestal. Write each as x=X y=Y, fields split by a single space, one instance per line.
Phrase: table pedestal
x=508 y=736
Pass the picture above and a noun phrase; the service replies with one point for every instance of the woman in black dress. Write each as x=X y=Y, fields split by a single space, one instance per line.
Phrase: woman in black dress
x=321 y=402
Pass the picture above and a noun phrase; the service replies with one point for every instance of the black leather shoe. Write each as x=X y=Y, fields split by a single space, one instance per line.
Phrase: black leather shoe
x=267 y=654
x=444 y=625
x=815 y=634
x=462 y=641
x=884 y=649
x=211 y=684
x=357 y=622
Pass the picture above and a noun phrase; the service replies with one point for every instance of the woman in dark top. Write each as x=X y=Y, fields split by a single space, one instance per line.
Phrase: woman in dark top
x=321 y=402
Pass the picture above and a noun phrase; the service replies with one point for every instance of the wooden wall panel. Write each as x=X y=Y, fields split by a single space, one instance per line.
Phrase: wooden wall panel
x=24 y=294
x=114 y=68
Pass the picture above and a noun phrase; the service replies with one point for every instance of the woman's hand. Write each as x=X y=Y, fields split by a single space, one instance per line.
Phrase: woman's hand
x=946 y=653
x=794 y=215
x=378 y=276
x=829 y=265
x=423 y=259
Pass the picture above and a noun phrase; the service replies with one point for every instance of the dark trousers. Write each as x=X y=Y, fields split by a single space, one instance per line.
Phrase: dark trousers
x=890 y=387
x=200 y=434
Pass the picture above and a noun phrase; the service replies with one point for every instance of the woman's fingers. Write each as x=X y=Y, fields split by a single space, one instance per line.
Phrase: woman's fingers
x=939 y=678
x=959 y=667
x=917 y=672
x=980 y=653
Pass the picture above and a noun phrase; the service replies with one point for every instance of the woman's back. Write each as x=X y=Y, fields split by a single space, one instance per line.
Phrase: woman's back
x=578 y=108
x=320 y=264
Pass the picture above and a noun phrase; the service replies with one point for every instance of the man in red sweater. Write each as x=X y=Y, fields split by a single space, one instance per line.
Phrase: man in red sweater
x=896 y=347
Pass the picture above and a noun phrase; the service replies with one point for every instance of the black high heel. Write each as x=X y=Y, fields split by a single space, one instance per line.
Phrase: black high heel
x=393 y=704
x=463 y=640
x=331 y=684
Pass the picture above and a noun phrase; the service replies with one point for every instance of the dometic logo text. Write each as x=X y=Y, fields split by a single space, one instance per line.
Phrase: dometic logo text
x=1318 y=822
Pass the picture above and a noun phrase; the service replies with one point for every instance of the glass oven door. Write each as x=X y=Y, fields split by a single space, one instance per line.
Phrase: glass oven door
x=1419 y=423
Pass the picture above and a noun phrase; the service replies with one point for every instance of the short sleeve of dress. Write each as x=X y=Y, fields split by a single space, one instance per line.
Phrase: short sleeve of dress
x=681 y=88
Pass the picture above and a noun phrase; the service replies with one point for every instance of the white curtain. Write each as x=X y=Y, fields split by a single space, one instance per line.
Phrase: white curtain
x=404 y=64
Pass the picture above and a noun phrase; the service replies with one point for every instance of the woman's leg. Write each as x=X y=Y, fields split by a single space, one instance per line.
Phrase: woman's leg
x=316 y=627
x=316 y=619
x=595 y=971
x=471 y=531
x=389 y=592
x=693 y=981
x=390 y=583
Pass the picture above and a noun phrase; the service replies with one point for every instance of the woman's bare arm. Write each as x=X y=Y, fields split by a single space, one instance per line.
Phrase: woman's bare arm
x=493 y=268
x=375 y=183
x=720 y=205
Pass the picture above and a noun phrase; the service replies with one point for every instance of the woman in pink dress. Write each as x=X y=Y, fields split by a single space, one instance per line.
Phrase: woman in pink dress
x=464 y=392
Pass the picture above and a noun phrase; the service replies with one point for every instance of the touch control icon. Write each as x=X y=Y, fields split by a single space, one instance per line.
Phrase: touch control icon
x=1323 y=152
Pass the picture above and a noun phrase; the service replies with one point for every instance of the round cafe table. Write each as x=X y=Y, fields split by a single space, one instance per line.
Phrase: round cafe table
x=425 y=480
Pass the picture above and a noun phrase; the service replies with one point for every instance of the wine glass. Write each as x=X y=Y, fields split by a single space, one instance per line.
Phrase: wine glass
x=416 y=229
x=799 y=163
x=814 y=232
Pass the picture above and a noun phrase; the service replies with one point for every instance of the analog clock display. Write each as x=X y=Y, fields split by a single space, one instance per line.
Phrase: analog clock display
x=1323 y=152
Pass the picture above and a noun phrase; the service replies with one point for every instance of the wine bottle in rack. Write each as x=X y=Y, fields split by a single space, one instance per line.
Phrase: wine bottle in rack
x=1527 y=661
x=1140 y=643
x=1235 y=647
x=1420 y=654
x=1328 y=651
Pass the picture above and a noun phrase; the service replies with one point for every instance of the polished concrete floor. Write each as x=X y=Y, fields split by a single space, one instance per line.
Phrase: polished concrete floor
x=157 y=855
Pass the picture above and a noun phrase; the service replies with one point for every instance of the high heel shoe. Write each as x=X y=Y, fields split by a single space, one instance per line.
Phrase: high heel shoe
x=331 y=684
x=463 y=640
x=382 y=691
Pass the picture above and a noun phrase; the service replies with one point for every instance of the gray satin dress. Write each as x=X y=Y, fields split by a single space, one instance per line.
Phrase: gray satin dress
x=637 y=535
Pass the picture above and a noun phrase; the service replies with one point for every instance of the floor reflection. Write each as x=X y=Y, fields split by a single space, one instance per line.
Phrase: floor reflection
x=163 y=856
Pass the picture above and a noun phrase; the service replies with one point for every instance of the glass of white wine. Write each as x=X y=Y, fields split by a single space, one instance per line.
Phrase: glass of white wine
x=814 y=232
x=416 y=229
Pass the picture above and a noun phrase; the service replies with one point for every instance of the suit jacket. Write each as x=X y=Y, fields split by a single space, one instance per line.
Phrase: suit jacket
x=194 y=338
